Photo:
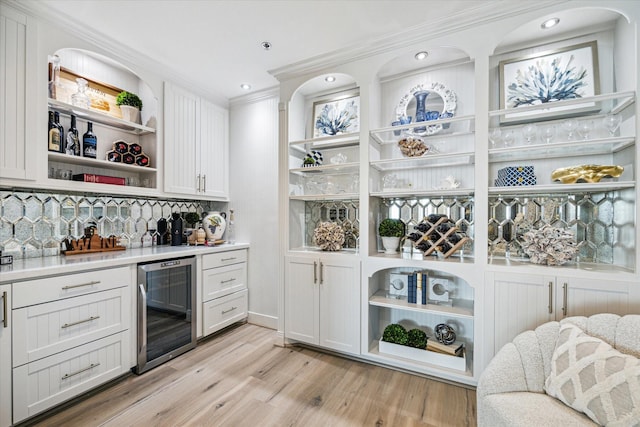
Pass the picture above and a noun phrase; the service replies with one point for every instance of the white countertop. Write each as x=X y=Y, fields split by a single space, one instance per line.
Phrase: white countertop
x=29 y=268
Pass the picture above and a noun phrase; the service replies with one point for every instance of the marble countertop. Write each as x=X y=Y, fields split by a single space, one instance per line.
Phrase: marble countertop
x=30 y=268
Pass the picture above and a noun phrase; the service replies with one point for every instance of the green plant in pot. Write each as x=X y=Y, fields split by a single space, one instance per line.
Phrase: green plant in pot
x=192 y=219
x=130 y=105
x=395 y=334
x=417 y=338
x=391 y=231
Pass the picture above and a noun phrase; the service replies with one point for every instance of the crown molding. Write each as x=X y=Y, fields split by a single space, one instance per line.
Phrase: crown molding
x=43 y=12
x=476 y=14
x=258 y=96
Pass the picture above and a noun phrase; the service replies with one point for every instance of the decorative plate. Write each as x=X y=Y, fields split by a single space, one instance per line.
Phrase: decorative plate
x=447 y=96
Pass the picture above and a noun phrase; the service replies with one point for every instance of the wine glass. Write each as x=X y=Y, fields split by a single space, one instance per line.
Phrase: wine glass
x=570 y=126
x=584 y=128
x=611 y=123
x=529 y=132
x=495 y=137
x=548 y=133
x=507 y=138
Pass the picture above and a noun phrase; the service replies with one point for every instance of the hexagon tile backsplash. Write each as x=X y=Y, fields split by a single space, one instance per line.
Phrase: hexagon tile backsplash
x=35 y=224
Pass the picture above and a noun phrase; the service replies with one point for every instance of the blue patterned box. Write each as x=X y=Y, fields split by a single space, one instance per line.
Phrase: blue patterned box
x=515 y=176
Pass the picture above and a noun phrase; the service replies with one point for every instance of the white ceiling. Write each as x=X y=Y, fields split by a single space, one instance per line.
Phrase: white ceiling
x=216 y=44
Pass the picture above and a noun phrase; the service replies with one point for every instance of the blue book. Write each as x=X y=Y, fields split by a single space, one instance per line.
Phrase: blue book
x=424 y=288
x=413 y=288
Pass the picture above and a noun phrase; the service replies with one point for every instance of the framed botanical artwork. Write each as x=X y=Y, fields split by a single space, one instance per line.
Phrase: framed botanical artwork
x=336 y=116
x=546 y=77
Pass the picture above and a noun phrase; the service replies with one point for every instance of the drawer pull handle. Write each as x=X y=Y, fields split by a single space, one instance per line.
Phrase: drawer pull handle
x=93 y=365
x=227 y=281
x=227 y=311
x=228 y=259
x=68 y=325
x=95 y=282
x=5 y=314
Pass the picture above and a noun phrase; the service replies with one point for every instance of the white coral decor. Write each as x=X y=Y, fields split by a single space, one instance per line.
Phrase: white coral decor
x=329 y=236
x=549 y=245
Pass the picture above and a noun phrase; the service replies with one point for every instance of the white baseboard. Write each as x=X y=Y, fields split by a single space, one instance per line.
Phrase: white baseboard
x=264 y=320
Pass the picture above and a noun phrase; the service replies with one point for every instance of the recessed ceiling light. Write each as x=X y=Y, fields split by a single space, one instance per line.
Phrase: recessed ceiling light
x=549 y=23
x=421 y=55
x=266 y=45
x=329 y=79
x=245 y=86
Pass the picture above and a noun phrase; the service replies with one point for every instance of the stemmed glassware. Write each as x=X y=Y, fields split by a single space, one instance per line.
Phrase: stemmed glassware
x=507 y=138
x=611 y=123
x=548 y=133
x=584 y=128
x=529 y=132
x=570 y=126
x=495 y=137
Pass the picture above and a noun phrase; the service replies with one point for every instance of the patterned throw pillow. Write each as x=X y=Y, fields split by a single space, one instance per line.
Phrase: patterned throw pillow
x=592 y=377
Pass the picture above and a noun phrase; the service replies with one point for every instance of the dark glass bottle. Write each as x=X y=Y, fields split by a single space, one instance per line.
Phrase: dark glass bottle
x=54 y=134
x=423 y=227
x=56 y=117
x=73 y=143
x=89 y=142
x=414 y=237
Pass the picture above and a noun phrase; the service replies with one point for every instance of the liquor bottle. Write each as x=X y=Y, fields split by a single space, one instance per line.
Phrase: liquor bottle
x=89 y=142
x=231 y=228
x=54 y=134
x=73 y=143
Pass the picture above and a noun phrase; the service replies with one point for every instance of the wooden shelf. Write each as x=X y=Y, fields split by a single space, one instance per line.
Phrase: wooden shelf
x=96 y=163
x=460 y=309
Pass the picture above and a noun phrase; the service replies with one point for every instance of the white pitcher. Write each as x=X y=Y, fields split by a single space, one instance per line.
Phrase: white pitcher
x=214 y=224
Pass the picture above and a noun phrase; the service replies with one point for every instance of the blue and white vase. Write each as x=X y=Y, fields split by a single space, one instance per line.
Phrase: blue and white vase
x=421 y=97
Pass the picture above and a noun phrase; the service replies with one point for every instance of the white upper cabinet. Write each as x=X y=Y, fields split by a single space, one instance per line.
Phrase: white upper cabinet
x=196 y=145
x=17 y=80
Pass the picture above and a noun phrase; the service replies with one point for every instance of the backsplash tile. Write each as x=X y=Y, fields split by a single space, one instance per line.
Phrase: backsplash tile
x=34 y=224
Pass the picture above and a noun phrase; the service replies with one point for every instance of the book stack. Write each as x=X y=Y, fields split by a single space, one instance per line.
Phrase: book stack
x=417 y=288
x=100 y=179
x=455 y=349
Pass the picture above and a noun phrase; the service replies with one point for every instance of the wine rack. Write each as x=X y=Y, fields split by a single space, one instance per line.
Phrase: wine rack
x=438 y=233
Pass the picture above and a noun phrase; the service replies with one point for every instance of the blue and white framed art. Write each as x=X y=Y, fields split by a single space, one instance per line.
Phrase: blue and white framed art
x=336 y=116
x=562 y=74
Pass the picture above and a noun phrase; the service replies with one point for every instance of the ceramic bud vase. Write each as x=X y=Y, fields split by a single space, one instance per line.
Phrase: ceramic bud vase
x=214 y=224
x=130 y=113
x=421 y=97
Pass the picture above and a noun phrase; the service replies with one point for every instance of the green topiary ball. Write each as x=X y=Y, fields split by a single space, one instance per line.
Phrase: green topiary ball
x=417 y=338
x=396 y=334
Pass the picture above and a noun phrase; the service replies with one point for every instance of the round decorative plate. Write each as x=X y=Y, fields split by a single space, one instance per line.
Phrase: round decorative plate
x=447 y=99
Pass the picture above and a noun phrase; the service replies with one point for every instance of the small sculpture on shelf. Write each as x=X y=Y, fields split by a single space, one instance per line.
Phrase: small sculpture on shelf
x=445 y=334
x=329 y=236
x=586 y=173
x=549 y=245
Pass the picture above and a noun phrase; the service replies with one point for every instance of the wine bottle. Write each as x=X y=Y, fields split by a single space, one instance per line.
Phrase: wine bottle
x=231 y=228
x=54 y=134
x=89 y=142
x=73 y=143
x=56 y=117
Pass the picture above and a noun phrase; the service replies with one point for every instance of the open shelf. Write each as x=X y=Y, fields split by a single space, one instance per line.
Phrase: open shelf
x=429 y=160
x=342 y=168
x=97 y=117
x=327 y=142
x=563 y=188
x=398 y=193
x=321 y=197
x=460 y=308
x=97 y=163
x=462 y=125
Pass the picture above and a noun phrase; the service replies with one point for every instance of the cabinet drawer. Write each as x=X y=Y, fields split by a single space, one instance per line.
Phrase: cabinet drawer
x=47 y=382
x=218 y=282
x=224 y=311
x=223 y=258
x=70 y=285
x=45 y=329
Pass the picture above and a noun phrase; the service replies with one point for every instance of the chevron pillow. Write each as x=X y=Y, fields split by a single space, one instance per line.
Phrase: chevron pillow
x=592 y=377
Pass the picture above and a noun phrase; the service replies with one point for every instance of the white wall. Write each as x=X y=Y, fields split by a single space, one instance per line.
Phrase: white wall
x=253 y=185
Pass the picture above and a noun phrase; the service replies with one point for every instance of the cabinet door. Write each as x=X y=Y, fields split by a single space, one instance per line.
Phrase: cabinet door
x=214 y=147
x=17 y=51
x=181 y=110
x=522 y=302
x=301 y=299
x=339 y=304
x=5 y=355
x=585 y=297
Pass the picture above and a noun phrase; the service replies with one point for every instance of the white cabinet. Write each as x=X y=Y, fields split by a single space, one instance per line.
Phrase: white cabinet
x=70 y=333
x=224 y=289
x=17 y=71
x=5 y=355
x=322 y=300
x=196 y=145
x=525 y=301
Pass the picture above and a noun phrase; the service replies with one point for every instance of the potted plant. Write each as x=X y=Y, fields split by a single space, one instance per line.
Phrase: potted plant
x=130 y=105
x=391 y=230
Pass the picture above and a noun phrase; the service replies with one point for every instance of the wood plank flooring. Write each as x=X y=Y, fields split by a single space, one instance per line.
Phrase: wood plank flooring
x=240 y=378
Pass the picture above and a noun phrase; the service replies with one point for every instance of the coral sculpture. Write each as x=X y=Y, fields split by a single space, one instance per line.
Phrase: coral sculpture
x=549 y=245
x=329 y=236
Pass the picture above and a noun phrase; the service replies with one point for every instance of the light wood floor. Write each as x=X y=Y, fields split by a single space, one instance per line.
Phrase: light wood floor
x=239 y=378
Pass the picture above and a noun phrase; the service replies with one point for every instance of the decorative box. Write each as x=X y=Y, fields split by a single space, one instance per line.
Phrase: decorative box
x=515 y=176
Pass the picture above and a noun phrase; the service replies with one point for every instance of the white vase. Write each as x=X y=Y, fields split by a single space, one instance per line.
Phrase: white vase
x=390 y=244
x=130 y=113
x=214 y=224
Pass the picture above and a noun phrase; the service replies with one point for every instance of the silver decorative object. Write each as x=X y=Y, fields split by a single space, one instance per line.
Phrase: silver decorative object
x=549 y=245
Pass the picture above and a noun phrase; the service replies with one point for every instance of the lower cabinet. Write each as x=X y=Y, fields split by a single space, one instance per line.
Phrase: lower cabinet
x=70 y=333
x=322 y=301
x=224 y=290
x=524 y=302
x=5 y=355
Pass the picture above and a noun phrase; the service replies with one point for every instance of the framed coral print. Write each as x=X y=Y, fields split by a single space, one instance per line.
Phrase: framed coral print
x=546 y=77
x=336 y=116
